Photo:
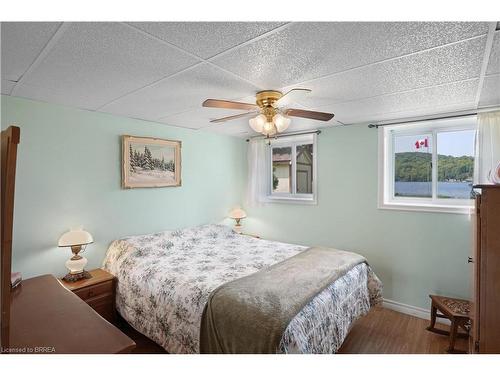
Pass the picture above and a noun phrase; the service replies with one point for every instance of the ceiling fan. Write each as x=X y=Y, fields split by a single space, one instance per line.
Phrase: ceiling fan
x=270 y=113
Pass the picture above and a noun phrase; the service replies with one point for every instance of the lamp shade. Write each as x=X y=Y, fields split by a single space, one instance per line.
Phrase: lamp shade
x=74 y=238
x=237 y=213
x=257 y=123
x=281 y=122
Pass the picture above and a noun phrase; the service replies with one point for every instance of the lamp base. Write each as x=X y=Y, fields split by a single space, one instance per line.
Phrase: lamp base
x=72 y=277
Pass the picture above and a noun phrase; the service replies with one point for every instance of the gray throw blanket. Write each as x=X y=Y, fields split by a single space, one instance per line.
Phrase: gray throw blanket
x=250 y=314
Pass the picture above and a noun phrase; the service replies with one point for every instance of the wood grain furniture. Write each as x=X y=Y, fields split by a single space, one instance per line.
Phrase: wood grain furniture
x=486 y=272
x=40 y=315
x=9 y=141
x=457 y=311
x=98 y=292
x=48 y=318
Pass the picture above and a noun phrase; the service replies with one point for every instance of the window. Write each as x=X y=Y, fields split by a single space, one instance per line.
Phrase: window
x=293 y=169
x=427 y=166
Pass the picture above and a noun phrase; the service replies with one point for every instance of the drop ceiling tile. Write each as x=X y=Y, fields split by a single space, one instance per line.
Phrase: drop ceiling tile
x=414 y=113
x=438 y=66
x=448 y=64
x=401 y=105
x=306 y=51
x=93 y=63
x=494 y=61
x=490 y=94
x=236 y=128
x=69 y=96
x=21 y=43
x=7 y=86
x=206 y=39
x=180 y=93
x=199 y=117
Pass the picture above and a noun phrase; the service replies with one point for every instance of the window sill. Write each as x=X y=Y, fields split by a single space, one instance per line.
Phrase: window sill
x=422 y=207
x=271 y=199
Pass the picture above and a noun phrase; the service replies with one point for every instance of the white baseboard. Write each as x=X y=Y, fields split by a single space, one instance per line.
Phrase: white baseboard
x=412 y=310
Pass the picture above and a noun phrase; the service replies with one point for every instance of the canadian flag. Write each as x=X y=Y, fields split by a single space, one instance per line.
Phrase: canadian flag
x=422 y=143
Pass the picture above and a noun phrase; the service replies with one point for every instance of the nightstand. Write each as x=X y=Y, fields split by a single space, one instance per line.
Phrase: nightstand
x=98 y=292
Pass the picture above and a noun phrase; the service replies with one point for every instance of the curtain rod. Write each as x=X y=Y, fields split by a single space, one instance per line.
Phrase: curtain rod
x=443 y=117
x=285 y=135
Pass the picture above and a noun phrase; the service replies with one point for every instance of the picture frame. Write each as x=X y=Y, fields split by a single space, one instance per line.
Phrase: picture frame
x=150 y=162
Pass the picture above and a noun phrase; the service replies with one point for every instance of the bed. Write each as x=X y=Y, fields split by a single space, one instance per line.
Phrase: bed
x=165 y=280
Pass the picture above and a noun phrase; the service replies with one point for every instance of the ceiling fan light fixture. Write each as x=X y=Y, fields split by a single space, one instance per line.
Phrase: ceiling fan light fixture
x=273 y=118
x=269 y=129
x=257 y=123
x=282 y=122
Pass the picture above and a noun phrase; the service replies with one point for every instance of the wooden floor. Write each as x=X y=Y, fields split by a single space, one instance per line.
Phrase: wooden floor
x=382 y=331
x=385 y=331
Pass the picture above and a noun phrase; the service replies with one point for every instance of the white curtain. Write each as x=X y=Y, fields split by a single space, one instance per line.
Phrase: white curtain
x=257 y=172
x=487 y=147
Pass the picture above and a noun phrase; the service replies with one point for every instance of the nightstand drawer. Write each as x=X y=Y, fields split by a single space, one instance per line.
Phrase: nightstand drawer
x=95 y=290
x=103 y=305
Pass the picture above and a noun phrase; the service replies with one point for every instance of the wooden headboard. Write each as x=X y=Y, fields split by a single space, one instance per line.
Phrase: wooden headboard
x=10 y=140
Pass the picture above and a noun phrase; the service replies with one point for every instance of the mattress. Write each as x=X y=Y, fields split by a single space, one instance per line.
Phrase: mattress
x=165 y=279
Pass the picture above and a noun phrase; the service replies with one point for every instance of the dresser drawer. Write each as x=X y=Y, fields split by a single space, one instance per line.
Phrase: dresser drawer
x=95 y=290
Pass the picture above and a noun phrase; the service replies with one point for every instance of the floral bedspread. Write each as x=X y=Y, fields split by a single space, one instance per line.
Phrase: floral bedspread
x=164 y=280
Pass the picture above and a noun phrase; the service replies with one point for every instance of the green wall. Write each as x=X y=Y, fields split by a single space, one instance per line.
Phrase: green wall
x=414 y=253
x=69 y=173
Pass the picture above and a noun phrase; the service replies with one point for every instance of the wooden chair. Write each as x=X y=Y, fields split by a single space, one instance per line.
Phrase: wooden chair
x=457 y=311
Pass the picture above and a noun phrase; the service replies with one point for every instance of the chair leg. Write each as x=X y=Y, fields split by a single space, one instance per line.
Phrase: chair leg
x=453 y=335
x=433 y=317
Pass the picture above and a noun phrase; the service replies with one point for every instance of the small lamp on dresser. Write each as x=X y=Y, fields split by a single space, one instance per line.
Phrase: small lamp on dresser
x=76 y=238
x=237 y=214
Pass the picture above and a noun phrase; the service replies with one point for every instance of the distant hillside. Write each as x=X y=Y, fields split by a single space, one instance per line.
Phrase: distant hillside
x=416 y=166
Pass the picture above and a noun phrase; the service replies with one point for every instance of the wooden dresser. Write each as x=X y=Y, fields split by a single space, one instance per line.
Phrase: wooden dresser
x=485 y=336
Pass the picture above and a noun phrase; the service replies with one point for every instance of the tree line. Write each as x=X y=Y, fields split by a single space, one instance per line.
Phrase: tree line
x=417 y=166
x=145 y=160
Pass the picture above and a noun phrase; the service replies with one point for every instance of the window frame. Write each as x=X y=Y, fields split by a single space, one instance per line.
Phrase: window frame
x=293 y=197
x=387 y=135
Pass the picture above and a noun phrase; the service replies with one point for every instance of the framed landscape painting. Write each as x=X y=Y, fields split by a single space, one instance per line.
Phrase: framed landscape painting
x=150 y=162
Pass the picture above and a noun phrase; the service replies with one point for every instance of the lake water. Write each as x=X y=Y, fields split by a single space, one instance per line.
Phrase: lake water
x=459 y=190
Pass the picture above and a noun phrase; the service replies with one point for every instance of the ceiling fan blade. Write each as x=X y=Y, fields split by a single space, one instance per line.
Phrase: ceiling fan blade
x=321 y=116
x=229 y=118
x=289 y=96
x=228 y=104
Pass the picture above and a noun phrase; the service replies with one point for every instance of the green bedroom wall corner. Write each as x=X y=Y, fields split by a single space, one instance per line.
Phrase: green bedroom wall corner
x=69 y=174
x=414 y=253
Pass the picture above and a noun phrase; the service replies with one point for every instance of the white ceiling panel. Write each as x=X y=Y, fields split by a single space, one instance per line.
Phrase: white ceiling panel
x=97 y=62
x=305 y=51
x=490 y=94
x=361 y=71
x=180 y=93
x=237 y=128
x=21 y=43
x=7 y=86
x=206 y=39
x=448 y=64
x=199 y=117
x=433 y=99
x=494 y=61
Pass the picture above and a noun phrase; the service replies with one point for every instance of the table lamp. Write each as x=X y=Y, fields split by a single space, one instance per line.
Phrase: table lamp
x=237 y=214
x=76 y=238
